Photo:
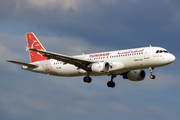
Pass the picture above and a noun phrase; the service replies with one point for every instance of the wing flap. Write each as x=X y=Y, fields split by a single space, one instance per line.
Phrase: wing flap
x=22 y=63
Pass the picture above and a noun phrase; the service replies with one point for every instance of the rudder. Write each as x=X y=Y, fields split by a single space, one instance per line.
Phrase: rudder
x=33 y=42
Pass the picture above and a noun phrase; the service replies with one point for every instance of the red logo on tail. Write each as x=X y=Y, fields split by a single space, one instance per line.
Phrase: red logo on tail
x=33 y=42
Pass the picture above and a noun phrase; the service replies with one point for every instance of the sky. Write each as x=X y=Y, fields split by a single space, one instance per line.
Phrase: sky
x=73 y=27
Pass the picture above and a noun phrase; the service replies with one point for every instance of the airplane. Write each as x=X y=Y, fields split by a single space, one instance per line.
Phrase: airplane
x=128 y=62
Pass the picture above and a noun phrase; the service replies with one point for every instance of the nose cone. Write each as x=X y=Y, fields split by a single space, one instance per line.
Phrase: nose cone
x=171 y=58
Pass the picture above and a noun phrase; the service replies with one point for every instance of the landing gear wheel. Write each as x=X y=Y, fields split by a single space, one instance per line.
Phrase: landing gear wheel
x=87 y=79
x=151 y=70
x=152 y=76
x=111 y=84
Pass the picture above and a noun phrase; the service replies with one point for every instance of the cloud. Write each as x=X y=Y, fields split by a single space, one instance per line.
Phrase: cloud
x=6 y=7
x=98 y=12
x=162 y=81
x=127 y=23
x=48 y=95
x=77 y=26
x=65 y=4
x=9 y=51
x=4 y=54
x=163 y=113
x=16 y=104
x=69 y=45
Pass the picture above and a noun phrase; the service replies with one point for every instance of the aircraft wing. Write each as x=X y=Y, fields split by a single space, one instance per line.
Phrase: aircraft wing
x=80 y=63
x=22 y=63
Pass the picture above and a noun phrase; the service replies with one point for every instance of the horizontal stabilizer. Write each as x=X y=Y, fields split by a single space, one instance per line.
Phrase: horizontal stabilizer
x=22 y=63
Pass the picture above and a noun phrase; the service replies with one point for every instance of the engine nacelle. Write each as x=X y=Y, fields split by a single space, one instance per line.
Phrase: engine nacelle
x=135 y=75
x=100 y=67
x=116 y=65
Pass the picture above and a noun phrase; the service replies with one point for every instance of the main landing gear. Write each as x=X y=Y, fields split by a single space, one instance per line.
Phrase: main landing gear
x=87 y=79
x=111 y=83
x=151 y=70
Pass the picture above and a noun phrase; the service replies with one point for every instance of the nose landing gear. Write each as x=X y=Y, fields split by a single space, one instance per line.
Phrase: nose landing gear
x=151 y=70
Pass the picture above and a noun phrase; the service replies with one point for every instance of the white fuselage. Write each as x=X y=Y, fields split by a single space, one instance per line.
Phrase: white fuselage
x=120 y=61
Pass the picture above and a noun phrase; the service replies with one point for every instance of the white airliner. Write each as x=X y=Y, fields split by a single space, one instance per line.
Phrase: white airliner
x=127 y=63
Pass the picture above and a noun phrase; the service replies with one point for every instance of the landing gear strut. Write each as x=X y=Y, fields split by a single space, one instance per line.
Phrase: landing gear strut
x=111 y=83
x=87 y=79
x=151 y=70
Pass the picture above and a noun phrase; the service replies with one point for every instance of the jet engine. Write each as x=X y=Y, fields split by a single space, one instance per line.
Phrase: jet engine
x=100 y=67
x=135 y=75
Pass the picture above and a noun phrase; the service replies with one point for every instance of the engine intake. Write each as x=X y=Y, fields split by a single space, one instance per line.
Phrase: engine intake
x=100 y=67
x=136 y=75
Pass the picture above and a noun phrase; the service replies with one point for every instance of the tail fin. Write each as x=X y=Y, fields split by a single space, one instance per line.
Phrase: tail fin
x=33 y=42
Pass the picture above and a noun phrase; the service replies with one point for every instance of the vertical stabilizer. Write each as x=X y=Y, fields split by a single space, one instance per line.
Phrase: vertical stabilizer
x=33 y=42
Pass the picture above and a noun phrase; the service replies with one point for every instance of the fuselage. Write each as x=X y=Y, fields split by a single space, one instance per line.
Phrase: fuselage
x=120 y=61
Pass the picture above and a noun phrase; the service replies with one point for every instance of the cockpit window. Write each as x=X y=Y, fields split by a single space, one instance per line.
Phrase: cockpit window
x=161 y=51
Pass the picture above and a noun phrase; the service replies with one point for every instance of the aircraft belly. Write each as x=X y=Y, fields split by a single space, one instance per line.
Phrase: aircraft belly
x=68 y=70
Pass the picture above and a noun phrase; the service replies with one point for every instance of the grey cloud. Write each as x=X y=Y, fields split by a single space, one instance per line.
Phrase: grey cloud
x=69 y=45
x=160 y=111
x=6 y=54
x=6 y=8
x=40 y=96
x=93 y=26
x=96 y=13
x=121 y=22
